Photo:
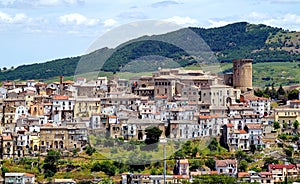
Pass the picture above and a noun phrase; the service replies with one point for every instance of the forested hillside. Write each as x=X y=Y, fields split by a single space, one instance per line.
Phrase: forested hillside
x=239 y=40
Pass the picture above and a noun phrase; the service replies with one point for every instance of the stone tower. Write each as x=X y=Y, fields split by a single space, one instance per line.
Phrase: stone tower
x=242 y=74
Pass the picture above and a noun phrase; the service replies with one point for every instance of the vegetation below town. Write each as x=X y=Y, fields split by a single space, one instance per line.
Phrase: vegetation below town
x=95 y=164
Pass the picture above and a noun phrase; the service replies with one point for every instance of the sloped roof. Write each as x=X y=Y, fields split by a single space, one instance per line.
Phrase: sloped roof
x=60 y=97
x=281 y=166
x=224 y=163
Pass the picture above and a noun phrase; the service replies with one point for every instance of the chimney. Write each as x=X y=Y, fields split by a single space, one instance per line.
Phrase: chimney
x=61 y=80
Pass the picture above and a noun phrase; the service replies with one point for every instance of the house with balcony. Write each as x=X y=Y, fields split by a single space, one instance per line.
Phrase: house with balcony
x=281 y=171
x=255 y=134
x=62 y=109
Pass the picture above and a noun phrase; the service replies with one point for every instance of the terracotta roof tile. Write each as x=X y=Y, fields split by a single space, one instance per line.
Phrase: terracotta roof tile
x=253 y=126
x=243 y=174
x=281 y=166
x=229 y=125
x=224 y=163
x=6 y=137
x=242 y=131
x=214 y=172
x=60 y=97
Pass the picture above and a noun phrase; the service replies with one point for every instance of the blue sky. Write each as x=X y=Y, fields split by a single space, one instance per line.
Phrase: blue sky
x=40 y=30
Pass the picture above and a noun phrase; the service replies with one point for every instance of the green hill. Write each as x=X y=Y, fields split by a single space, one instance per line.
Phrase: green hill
x=239 y=40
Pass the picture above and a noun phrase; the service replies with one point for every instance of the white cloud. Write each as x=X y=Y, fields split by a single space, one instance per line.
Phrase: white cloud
x=78 y=19
x=109 y=22
x=132 y=15
x=183 y=21
x=163 y=4
x=257 y=16
x=21 y=4
x=290 y=21
x=218 y=23
x=12 y=19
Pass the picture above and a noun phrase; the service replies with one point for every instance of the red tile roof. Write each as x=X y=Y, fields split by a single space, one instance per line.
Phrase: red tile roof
x=242 y=131
x=243 y=174
x=208 y=117
x=281 y=166
x=256 y=98
x=265 y=173
x=229 y=125
x=224 y=163
x=6 y=137
x=296 y=101
x=184 y=161
x=29 y=175
x=254 y=126
x=68 y=82
x=60 y=97
x=214 y=172
x=161 y=96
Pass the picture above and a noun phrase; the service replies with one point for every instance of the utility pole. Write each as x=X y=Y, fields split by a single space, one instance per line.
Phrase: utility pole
x=164 y=142
x=165 y=163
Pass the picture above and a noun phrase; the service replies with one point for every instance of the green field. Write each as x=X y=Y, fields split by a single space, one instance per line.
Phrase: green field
x=285 y=73
x=264 y=74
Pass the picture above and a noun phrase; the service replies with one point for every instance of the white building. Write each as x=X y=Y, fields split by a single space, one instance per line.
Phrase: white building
x=63 y=108
x=260 y=105
x=255 y=133
x=227 y=167
x=20 y=178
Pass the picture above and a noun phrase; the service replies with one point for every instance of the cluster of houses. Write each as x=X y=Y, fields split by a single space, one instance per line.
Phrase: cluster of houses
x=184 y=104
x=277 y=173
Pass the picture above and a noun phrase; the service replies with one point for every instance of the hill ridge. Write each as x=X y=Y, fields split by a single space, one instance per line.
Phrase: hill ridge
x=237 y=40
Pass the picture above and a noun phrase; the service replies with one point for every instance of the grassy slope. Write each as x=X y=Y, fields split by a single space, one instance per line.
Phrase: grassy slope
x=264 y=74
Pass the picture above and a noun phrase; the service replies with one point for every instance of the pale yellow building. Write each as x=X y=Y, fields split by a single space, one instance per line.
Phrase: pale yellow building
x=287 y=115
x=34 y=142
x=85 y=107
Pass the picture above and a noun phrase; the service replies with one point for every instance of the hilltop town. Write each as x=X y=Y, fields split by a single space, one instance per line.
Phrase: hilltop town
x=38 y=118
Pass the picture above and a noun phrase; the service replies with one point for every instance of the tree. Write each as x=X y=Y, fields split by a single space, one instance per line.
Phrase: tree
x=288 y=152
x=90 y=150
x=152 y=135
x=267 y=92
x=4 y=170
x=276 y=125
x=210 y=163
x=105 y=166
x=293 y=94
x=258 y=93
x=50 y=163
x=269 y=160
x=253 y=148
x=196 y=164
x=273 y=92
x=243 y=164
x=280 y=91
x=239 y=154
x=213 y=146
x=296 y=124
x=4 y=68
x=285 y=125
